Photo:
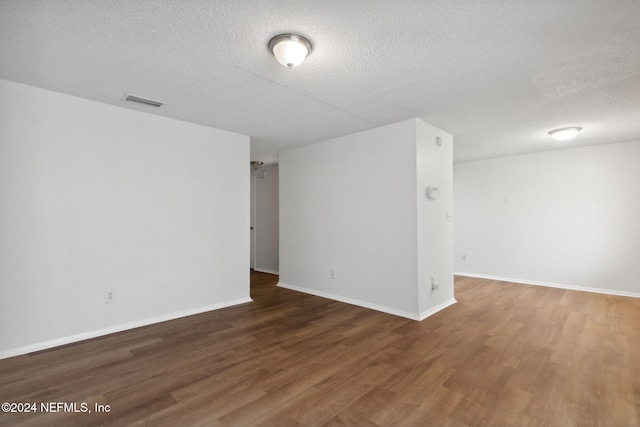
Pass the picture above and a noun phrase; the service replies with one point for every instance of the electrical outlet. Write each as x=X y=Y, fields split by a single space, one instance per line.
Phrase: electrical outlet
x=434 y=285
x=332 y=274
x=464 y=257
x=110 y=296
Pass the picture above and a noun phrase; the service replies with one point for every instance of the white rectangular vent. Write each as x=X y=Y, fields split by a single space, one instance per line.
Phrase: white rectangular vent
x=145 y=101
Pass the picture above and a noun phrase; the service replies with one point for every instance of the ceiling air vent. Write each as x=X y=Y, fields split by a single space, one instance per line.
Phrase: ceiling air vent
x=145 y=101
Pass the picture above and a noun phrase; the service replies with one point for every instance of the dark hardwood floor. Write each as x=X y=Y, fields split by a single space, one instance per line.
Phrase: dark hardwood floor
x=504 y=355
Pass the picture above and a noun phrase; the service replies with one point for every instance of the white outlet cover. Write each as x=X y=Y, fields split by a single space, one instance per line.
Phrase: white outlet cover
x=110 y=296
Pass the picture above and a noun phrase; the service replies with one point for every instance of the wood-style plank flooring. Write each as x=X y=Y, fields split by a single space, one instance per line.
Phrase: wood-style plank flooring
x=504 y=355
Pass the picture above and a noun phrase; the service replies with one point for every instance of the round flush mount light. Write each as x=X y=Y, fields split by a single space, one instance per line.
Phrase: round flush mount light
x=565 y=134
x=290 y=49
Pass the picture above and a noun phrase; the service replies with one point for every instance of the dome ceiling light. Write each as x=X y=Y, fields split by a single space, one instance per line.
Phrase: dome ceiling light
x=565 y=134
x=290 y=49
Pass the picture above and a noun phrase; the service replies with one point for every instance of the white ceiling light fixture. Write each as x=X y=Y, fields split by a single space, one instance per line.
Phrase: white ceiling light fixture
x=565 y=134
x=290 y=49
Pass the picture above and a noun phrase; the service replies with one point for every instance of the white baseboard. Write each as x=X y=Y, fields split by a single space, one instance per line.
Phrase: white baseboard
x=119 y=328
x=352 y=301
x=264 y=270
x=552 y=285
x=436 y=309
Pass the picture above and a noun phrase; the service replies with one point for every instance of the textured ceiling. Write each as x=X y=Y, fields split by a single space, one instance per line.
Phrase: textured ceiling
x=496 y=74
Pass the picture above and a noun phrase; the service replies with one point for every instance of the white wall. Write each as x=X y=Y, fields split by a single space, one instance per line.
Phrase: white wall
x=349 y=204
x=95 y=197
x=435 y=218
x=267 y=220
x=565 y=218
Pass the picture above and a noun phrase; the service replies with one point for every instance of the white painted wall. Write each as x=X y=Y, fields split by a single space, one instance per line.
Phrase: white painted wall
x=571 y=218
x=349 y=204
x=267 y=220
x=435 y=217
x=95 y=197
